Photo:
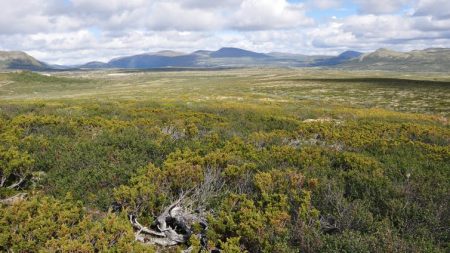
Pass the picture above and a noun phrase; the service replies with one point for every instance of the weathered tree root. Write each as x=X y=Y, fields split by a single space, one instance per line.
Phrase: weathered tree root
x=172 y=227
x=328 y=224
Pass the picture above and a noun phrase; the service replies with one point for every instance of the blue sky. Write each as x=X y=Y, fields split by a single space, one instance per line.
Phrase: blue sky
x=346 y=8
x=76 y=31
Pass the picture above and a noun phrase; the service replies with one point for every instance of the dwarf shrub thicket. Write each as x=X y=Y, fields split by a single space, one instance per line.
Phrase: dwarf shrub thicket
x=380 y=182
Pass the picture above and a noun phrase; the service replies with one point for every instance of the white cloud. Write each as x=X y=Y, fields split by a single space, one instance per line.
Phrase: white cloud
x=33 y=16
x=202 y=4
x=373 y=26
x=430 y=24
x=269 y=14
x=325 y=4
x=76 y=31
x=439 y=9
x=331 y=36
x=30 y=16
x=110 y=6
x=381 y=6
x=172 y=16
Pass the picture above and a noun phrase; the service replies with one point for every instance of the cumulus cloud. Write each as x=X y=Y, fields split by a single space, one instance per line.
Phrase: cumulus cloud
x=31 y=16
x=76 y=31
x=439 y=9
x=331 y=35
x=201 y=4
x=381 y=6
x=110 y=6
x=373 y=26
x=269 y=14
x=40 y=16
x=325 y=4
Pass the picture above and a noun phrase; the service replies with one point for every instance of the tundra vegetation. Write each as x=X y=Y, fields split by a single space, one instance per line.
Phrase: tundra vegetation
x=249 y=160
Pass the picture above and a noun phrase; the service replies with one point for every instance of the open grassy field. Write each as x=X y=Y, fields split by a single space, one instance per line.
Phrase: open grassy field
x=276 y=160
x=425 y=93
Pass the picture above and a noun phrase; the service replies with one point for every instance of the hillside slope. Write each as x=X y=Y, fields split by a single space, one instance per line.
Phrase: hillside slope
x=428 y=60
x=19 y=60
x=341 y=58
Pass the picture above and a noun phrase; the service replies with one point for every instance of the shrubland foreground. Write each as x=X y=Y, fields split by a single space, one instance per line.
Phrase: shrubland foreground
x=255 y=160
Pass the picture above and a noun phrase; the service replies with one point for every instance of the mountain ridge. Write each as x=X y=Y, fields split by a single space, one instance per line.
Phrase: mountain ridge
x=20 y=60
x=430 y=59
x=427 y=60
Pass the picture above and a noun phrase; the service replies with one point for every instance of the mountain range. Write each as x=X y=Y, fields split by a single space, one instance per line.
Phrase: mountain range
x=224 y=57
x=433 y=59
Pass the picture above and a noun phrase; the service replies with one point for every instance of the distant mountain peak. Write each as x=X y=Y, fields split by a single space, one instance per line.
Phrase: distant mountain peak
x=335 y=60
x=417 y=60
x=384 y=53
x=168 y=53
x=236 y=52
x=20 y=60
x=94 y=65
x=11 y=54
x=383 y=49
x=202 y=52
x=349 y=54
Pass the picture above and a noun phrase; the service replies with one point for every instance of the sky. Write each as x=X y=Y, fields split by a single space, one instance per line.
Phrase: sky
x=79 y=31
